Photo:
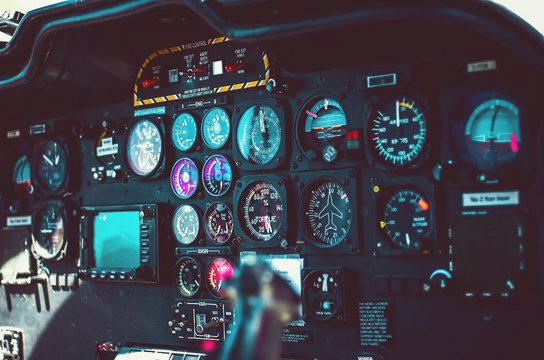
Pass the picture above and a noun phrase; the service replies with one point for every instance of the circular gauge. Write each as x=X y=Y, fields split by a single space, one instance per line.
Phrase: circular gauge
x=327 y=212
x=49 y=231
x=397 y=131
x=216 y=128
x=218 y=223
x=21 y=172
x=322 y=296
x=219 y=270
x=262 y=211
x=106 y=149
x=324 y=125
x=259 y=134
x=492 y=133
x=184 y=132
x=184 y=178
x=189 y=276
x=144 y=148
x=407 y=219
x=217 y=175
x=186 y=224
x=52 y=167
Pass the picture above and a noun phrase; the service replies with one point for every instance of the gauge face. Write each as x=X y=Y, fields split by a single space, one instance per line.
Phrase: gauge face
x=186 y=224
x=144 y=148
x=189 y=276
x=184 y=132
x=324 y=124
x=49 y=224
x=21 y=172
x=184 y=178
x=262 y=211
x=107 y=149
x=398 y=131
x=407 y=219
x=218 y=223
x=322 y=296
x=217 y=175
x=327 y=211
x=52 y=167
x=492 y=133
x=259 y=134
x=219 y=270
x=216 y=128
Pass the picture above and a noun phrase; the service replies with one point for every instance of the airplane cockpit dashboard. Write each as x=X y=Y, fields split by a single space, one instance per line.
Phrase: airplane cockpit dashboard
x=384 y=158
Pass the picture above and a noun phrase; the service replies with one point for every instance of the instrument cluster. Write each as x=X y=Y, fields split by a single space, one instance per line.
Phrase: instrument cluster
x=365 y=168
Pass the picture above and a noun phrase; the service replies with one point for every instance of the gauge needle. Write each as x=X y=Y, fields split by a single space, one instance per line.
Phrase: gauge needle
x=261 y=118
x=48 y=160
x=398 y=113
x=56 y=159
x=407 y=239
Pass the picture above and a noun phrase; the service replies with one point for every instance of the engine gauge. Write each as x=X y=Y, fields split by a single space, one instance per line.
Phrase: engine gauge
x=184 y=178
x=216 y=128
x=407 y=219
x=107 y=149
x=492 y=133
x=322 y=295
x=219 y=223
x=262 y=211
x=189 y=276
x=324 y=125
x=397 y=131
x=144 y=148
x=49 y=231
x=184 y=132
x=21 y=175
x=51 y=166
x=217 y=175
x=327 y=212
x=259 y=134
x=219 y=270
x=186 y=224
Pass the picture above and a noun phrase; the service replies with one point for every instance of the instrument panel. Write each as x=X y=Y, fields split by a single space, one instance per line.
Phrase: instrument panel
x=387 y=196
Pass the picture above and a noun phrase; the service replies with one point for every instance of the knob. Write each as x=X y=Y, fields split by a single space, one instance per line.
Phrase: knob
x=144 y=272
x=438 y=281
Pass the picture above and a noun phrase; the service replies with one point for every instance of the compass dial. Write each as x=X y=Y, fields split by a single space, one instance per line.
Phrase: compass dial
x=327 y=210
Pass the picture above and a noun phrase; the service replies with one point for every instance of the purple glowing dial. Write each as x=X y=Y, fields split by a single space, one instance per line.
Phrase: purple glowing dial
x=217 y=175
x=184 y=178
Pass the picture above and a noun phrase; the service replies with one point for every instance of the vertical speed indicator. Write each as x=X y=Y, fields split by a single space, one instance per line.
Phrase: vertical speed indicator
x=397 y=131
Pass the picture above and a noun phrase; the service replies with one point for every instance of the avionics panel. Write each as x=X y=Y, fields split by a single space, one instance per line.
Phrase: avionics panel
x=119 y=243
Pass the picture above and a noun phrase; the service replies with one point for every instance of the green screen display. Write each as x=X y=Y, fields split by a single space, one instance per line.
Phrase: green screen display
x=116 y=239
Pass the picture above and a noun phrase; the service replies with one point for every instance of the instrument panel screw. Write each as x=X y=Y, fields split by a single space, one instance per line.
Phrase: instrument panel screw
x=352 y=174
x=376 y=254
x=299 y=102
x=345 y=182
x=280 y=160
x=239 y=183
x=301 y=185
x=236 y=109
x=294 y=166
x=299 y=158
x=239 y=163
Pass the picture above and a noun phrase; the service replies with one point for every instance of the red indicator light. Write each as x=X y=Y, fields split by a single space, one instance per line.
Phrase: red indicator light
x=353 y=135
x=423 y=205
x=514 y=143
x=234 y=67
x=209 y=346
x=149 y=83
x=200 y=70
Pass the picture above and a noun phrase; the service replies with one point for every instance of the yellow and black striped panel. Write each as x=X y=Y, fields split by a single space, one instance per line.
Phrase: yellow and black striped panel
x=217 y=90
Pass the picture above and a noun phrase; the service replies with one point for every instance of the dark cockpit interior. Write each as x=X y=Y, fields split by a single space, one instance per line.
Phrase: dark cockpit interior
x=383 y=159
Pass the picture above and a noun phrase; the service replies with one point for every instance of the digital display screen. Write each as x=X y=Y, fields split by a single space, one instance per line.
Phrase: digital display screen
x=116 y=239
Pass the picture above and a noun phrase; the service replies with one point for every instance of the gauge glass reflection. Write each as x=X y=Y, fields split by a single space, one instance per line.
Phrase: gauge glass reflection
x=144 y=148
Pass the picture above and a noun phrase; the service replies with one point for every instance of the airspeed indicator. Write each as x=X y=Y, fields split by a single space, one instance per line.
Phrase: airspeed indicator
x=397 y=131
